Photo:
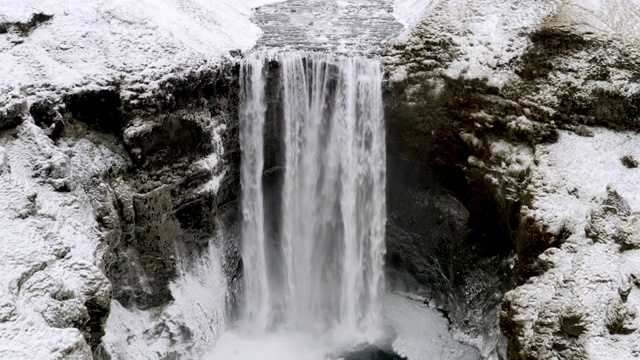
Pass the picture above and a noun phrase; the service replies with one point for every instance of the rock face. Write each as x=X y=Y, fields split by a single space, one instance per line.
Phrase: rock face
x=53 y=289
x=118 y=165
x=521 y=115
x=148 y=180
x=582 y=302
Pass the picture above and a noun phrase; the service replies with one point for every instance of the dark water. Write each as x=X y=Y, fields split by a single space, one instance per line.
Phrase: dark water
x=372 y=353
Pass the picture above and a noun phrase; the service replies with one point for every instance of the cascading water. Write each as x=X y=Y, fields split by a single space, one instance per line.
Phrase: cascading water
x=329 y=250
x=252 y=111
x=313 y=282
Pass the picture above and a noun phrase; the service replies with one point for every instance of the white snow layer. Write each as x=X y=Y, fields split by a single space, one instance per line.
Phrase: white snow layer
x=422 y=333
x=569 y=182
x=49 y=245
x=410 y=12
x=573 y=174
x=489 y=34
x=620 y=18
x=89 y=43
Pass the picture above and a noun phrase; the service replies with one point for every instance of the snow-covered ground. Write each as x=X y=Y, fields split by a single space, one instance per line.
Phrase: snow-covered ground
x=619 y=18
x=573 y=175
x=485 y=35
x=89 y=44
x=574 y=186
x=50 y=246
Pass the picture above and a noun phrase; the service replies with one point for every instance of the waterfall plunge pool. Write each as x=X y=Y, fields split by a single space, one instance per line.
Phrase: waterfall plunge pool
x=412 y=332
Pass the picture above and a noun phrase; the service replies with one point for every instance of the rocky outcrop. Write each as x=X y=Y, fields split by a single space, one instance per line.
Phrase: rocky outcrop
x=148 y=174
x=519 y=116
x=24 y=28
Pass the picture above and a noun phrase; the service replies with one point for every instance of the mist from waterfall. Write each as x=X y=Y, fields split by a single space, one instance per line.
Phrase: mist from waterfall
x=323 y=269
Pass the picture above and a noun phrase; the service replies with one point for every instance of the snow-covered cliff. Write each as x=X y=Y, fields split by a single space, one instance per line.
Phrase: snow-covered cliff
x=118 y=161
x=537 y=102
x=117 y=142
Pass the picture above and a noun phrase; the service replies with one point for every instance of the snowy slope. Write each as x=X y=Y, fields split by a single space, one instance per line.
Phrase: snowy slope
x=485 y=35
x=49 y=245
x=576 y=185
x=620 y=18
x=89 y=43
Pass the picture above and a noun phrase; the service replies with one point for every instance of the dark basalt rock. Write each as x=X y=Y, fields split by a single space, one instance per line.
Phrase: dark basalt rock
x=13 y=116
x=629 y=161
x=9 y=122
x=449 y=235
x=98 y=314
x=152 y=209
x=100 y=109
x=175 y=136
x=197 y=215
x=46 y=116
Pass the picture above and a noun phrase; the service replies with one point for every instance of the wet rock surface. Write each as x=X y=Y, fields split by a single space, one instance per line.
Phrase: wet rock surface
x=159 y=200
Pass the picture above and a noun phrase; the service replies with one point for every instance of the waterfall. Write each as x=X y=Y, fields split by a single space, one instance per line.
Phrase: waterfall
x=329 y=248
x=252 y=111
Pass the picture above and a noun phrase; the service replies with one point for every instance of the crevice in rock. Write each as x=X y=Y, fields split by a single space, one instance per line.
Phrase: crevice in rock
x=25 y=28
x=101 y=110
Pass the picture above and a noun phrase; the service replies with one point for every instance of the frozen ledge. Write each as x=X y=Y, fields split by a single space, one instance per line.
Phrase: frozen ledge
x=88 y=45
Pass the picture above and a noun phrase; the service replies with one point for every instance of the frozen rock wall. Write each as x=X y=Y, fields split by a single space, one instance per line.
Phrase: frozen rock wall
x=116 y=209
x=535 y=104
x=118 y=163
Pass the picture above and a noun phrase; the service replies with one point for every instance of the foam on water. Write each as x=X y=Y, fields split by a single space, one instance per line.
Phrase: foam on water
x=413 y=331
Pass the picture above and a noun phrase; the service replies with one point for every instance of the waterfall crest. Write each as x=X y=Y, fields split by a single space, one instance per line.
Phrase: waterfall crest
x=328 y=250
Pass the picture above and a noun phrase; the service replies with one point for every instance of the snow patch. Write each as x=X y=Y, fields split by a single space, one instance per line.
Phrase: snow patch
x=92 y=44
x=574 y=173
x=410 y=12
x=50 y=249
